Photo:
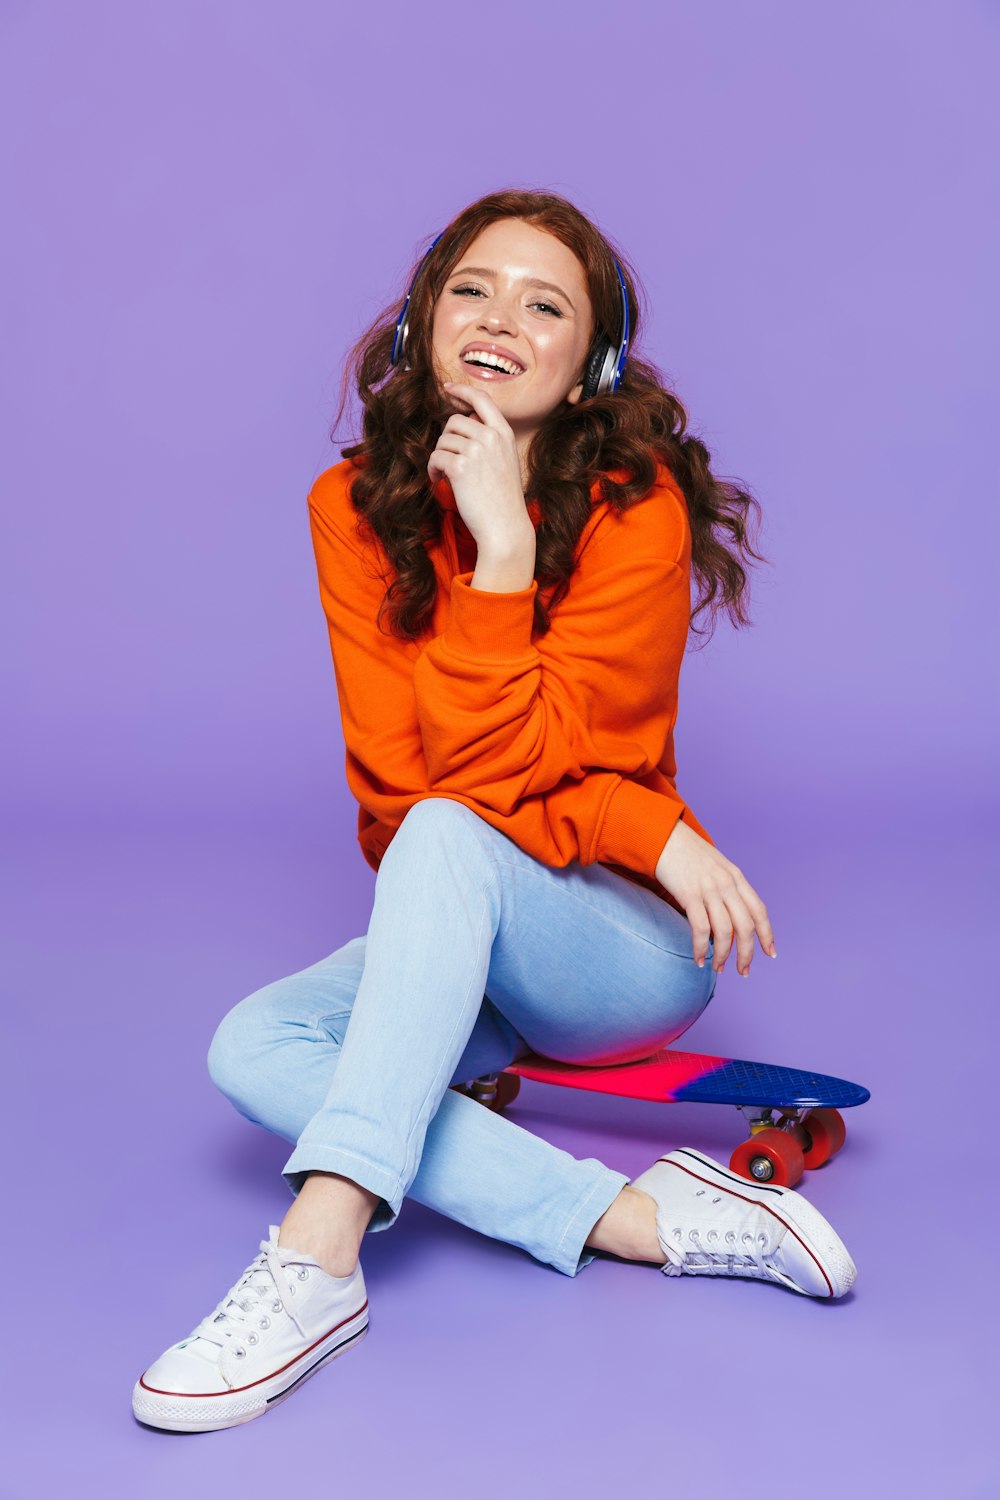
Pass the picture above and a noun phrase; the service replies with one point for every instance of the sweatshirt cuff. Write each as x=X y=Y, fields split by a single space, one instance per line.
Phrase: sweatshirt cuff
x=490 y=626
x=636 y=826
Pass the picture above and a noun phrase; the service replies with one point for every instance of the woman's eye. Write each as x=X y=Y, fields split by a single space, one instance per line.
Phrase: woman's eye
x=459 y=291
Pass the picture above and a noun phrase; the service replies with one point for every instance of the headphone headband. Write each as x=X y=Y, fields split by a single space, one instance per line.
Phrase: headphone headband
x=606 y=364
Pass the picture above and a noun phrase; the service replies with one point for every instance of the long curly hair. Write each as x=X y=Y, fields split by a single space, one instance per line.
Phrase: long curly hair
x=640 y=425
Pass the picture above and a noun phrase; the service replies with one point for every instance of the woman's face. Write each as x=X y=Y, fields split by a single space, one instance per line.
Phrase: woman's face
x=492 y=297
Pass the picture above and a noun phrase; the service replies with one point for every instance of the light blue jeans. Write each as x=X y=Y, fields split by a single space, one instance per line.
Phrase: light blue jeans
x=476 y=953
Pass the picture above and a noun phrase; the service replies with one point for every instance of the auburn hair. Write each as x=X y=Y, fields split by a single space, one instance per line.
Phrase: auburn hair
x=640 y=425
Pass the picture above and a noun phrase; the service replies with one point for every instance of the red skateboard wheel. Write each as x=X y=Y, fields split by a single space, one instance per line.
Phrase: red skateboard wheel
x=508 y=1086
x=827 y=1132
x=769 y=1156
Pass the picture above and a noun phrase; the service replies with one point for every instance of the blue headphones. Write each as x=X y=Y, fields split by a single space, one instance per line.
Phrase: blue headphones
x=605 y=366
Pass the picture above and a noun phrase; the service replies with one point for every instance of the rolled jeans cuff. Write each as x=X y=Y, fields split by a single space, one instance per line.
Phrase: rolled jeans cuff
x=365 y=1173
x=572 y=1255
x=569 y=1255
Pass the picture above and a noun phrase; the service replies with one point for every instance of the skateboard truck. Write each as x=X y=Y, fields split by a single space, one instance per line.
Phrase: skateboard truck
x=495 y=1090
x=484 y=1090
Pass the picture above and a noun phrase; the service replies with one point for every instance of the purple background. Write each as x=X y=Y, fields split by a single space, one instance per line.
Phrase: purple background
x=205 y=204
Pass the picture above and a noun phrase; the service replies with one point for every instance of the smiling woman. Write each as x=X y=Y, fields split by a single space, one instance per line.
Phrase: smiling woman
x=526 y=277
x=494 y=326
x=541 y=885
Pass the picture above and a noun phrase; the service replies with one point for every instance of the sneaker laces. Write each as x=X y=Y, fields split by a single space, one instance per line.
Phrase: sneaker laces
x=698 y=1259
x=251 y=1295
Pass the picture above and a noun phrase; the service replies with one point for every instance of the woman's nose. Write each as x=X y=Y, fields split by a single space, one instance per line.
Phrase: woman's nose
x=500 y=315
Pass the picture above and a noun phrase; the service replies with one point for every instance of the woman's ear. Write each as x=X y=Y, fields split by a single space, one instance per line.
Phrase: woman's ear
x=574 y=395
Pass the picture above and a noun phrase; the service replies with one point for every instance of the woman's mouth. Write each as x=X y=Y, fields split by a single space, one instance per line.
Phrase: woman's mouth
x=482 y=369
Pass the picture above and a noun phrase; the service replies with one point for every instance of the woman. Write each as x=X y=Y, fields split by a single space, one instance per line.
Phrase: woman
x=541 y=885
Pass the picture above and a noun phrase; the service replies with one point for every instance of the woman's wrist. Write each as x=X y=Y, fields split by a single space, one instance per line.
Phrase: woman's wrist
x=506 y=565
x=674 y=843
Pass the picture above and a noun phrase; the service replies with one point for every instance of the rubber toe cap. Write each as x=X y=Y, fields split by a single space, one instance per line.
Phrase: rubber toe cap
x=182 y=1371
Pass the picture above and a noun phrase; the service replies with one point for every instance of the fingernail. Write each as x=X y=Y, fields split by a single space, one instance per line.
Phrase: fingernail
x=701 y=963
x=774 y=952
x=746 y=973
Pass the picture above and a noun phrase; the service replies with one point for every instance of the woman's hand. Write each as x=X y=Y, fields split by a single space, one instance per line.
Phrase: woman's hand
x=478 y=456
x=716 y=897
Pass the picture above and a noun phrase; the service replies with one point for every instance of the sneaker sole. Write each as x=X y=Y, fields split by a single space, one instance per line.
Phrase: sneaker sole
x=175 y=1412
x=813 y=1232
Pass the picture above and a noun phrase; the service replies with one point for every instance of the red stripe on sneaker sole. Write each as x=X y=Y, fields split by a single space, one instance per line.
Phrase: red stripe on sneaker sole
x=207 y=1395
x=757 y=1204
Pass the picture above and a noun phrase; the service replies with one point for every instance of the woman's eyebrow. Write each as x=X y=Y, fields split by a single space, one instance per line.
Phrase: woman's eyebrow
x=547 y=286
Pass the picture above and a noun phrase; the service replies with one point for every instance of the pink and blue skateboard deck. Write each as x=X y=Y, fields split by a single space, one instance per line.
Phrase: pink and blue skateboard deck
x=679 y=1077
x=793 y=1114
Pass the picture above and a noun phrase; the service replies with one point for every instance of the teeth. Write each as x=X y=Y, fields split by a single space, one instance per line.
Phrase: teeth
x=479 y=356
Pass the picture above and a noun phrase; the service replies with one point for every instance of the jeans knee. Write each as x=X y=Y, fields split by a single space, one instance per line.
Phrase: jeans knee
x=444 y=824
x=229 y=1052
x=438 y=812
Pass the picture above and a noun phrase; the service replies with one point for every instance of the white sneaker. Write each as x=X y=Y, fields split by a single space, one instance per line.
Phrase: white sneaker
x=282 y=1320
x=712 y=1222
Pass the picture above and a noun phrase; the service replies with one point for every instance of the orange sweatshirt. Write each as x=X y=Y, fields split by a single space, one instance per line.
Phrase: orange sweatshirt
x=564 y=743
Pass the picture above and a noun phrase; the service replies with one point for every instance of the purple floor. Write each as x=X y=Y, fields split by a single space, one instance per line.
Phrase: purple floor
x=146 y=1194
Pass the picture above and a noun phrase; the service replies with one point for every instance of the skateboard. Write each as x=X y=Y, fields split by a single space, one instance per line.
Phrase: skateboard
x=794 y=1116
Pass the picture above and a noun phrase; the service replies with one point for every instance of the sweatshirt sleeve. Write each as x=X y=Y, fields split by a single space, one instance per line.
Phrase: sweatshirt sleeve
x=374 y=670
x=558 y=736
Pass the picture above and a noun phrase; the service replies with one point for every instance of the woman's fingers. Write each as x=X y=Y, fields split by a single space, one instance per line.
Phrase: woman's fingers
x=732 y=922
x=469 y=427
x=481 y=401
x=745 y=927
x=719 y=902
x=722 y=930
x=446 y=444
x=758 y=911
x=701 y=931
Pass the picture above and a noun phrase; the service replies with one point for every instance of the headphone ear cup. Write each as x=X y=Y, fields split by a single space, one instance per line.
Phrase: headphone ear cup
x=595 y=365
